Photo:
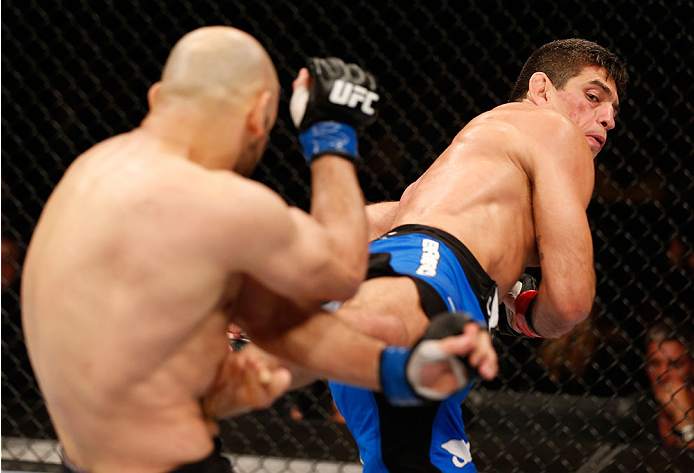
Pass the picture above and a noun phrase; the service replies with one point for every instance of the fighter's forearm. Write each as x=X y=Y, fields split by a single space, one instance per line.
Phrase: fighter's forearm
x=553 y=321
x=338 y=204
x=548 y=311
x=328 y=347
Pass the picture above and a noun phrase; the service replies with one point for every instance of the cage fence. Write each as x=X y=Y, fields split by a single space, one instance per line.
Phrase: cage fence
x=75 y=73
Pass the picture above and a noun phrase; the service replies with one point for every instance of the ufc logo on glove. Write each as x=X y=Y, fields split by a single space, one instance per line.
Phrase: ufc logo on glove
x=327 y=112
x=346 y=93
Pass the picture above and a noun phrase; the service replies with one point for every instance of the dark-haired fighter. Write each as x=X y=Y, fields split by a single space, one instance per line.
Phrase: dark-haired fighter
x=511 y=191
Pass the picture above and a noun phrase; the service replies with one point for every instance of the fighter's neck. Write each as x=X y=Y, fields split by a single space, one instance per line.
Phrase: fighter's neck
x=190 y=138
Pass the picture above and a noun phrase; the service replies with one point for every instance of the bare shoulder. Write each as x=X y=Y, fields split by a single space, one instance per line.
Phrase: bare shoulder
x=539 y=135
x=515 y=126
x=551 y=128
x=147 y=176
x=533 y=122
x=218 y=196
x=185 y=205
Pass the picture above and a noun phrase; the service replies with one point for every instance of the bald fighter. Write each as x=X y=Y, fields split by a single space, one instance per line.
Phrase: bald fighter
x=146 y=246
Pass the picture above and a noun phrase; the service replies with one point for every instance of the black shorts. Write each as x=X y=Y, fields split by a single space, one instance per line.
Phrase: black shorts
x=214 y=463
x=452 y=274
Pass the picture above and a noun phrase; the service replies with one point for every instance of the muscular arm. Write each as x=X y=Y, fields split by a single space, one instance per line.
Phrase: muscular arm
x=324 y=256
x=308 y=336
x=321 y=256
x=337 y=204
x=336 y=347
x=562 y=179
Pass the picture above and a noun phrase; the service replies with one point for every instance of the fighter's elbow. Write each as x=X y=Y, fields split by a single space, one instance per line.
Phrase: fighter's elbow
x=336 y=282
x=564 y=304
x=571 y=313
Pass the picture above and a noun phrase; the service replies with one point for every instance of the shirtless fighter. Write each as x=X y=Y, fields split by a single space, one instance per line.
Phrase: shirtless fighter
x=511 y=191
x=143 y=249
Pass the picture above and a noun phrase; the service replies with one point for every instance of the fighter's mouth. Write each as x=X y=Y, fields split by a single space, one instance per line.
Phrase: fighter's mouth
x=598 y=139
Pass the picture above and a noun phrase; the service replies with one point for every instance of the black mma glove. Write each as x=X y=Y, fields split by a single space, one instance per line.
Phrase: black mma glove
x=517 y=320
x=401 y=368
x=340 y=98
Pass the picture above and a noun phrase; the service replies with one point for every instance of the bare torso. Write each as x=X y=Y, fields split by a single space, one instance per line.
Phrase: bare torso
x=480 y=191
x=124 y=322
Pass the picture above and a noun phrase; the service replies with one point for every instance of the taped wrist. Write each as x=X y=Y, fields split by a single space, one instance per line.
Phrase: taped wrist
x=522 y=318
x=329 y=137
x=394 y=383
x=445 y=325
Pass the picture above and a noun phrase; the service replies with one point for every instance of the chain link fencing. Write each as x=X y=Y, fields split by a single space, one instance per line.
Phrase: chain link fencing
x=75 y=73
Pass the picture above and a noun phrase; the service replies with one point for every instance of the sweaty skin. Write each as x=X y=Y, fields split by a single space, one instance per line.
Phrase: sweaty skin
x=149 y=248
x=140 y=255
x=513 y=186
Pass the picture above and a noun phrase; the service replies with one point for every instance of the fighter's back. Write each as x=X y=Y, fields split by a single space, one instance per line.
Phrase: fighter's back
x=120 y=304
x=480 y=188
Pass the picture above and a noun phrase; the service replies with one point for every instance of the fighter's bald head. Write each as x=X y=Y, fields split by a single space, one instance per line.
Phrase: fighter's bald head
x=218 y=62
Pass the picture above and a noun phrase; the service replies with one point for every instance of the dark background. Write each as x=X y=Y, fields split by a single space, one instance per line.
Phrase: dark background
x=75 y=73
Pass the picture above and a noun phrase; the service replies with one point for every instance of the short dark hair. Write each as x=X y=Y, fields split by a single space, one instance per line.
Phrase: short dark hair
x=566 y=58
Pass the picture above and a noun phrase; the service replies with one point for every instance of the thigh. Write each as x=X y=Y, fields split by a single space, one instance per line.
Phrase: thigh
x=387 y=308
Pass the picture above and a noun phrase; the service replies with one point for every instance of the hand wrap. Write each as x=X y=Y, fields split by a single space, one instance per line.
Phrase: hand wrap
x=403 y=371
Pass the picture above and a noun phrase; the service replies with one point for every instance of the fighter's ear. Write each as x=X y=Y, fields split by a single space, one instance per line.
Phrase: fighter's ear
x=152 y=94
x=257 y=122
x=539 y=86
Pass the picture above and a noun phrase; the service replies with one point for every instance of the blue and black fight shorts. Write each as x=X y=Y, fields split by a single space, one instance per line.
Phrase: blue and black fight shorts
x=428 y=438
x=447 y=275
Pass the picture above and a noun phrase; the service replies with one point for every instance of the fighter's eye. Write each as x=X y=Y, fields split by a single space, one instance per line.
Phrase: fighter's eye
x=592 y=98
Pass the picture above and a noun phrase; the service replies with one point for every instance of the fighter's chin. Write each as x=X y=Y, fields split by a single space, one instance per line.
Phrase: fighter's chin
x=595 y=145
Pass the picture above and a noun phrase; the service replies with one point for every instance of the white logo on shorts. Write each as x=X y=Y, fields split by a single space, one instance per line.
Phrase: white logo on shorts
x=460 y=449
x=430 y=258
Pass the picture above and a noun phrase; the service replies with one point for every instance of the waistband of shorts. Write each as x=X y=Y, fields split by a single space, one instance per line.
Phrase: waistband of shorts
x=482 y=284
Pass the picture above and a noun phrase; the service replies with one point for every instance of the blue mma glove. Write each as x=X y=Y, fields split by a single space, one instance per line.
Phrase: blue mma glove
x=401 y=369
x=340 y=99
